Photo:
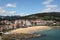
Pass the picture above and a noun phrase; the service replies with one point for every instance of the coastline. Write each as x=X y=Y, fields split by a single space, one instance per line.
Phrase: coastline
x=30 y=30
x=19 y=33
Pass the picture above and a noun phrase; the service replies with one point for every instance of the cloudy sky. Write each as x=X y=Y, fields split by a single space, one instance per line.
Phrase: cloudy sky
x=26 y=7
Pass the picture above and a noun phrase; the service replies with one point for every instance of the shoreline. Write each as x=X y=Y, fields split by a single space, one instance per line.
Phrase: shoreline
x=24 y=33
x=30 y=30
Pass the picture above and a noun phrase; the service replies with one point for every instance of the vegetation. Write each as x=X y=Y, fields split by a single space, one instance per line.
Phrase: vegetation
x=45 y=16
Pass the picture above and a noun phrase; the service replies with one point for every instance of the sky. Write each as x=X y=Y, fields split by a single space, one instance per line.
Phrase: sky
x=28 y=7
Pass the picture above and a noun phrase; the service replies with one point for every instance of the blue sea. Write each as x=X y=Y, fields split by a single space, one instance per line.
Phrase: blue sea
x=53 y=34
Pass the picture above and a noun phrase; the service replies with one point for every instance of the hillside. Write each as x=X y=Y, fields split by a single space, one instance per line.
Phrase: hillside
x=9 y=17
x=45 y=16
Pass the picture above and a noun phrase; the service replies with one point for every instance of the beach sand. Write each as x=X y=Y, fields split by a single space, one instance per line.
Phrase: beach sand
x=30 y=29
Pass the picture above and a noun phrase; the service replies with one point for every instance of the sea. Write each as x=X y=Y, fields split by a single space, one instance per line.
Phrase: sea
x=52 y=34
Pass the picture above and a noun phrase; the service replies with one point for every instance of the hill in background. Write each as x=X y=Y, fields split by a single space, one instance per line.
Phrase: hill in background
x=45 y=16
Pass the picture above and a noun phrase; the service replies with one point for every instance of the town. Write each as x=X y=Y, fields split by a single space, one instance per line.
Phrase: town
x=6 y=25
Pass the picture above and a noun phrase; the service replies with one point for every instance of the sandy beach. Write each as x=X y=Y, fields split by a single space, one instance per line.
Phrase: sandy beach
x=30 y=29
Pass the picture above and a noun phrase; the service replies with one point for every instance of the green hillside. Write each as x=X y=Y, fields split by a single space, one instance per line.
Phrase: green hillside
x=45 y=16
